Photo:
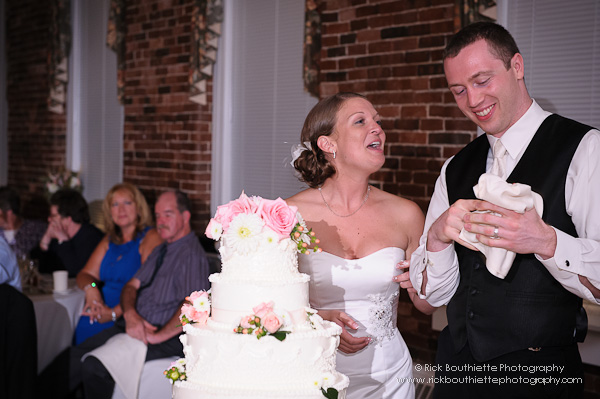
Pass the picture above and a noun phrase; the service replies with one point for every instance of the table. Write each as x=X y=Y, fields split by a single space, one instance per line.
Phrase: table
x=56 y=316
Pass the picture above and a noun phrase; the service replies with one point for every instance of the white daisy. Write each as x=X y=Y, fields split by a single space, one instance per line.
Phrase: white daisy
x=244 y=231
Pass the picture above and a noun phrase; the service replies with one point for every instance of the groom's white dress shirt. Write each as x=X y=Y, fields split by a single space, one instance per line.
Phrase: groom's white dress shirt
x=573 y=256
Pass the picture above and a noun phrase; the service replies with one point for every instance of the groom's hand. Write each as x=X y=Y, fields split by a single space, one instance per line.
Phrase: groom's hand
x=348 y=343
x=446 y=229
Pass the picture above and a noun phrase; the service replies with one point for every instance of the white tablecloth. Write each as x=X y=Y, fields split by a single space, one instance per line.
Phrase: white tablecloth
x=56 y=316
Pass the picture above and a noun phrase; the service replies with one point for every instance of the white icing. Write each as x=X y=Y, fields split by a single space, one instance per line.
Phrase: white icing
x=231 y=300
x=268 y=263
x=289 y=366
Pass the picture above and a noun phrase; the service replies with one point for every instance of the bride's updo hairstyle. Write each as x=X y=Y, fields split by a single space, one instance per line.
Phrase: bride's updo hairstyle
x=313 y=166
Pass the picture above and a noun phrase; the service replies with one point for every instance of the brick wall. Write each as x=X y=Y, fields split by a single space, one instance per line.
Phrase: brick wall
x=36 y=137
x=167 y=138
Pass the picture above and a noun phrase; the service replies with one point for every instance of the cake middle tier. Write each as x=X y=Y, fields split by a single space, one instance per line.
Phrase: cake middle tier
x=231 y=300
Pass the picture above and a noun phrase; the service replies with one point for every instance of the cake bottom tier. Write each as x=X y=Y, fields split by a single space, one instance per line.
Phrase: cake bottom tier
x=190 y=390
x=222 y=364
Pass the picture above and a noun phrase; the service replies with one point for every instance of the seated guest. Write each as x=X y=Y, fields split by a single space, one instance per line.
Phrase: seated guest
x=9 y=269
x=23 y=235
x=70 y=238
x=128 y=242
x=152 y=299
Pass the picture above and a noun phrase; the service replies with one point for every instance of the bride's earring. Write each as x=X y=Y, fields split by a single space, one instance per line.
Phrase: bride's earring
x=334 y=155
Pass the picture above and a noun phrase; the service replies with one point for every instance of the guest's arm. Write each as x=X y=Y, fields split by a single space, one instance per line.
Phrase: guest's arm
x=135 y=325
x=89 y=276
x=172 y=328
x=150 y=241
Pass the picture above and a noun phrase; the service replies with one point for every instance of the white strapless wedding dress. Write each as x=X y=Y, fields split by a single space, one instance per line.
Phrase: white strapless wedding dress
x=363 y=288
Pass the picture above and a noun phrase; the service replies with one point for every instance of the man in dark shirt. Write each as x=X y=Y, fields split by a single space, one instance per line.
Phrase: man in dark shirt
x=70 y=238
x=152 y=299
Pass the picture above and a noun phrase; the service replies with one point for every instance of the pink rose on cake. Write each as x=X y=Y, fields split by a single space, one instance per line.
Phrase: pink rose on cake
x=263 y=309
x=189 y=314
x=278 y=216
x=271 y=322
x=226 y=213
x=198 y=310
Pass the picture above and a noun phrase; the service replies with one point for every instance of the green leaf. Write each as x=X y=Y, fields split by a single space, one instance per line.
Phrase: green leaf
x=280 y=335
x=331 y=393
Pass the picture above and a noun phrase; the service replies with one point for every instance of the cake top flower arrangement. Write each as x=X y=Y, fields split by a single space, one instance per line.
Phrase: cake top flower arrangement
x=249 y=221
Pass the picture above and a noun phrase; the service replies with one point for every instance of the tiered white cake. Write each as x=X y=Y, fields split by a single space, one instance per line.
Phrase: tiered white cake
x=261 y=339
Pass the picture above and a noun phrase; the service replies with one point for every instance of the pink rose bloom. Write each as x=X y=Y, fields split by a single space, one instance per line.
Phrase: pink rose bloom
x=188 y=311
x=226 y=213
x=271 y=322
x=262 y=309
x=202 y=317
x=245 y=322
x=278 y=216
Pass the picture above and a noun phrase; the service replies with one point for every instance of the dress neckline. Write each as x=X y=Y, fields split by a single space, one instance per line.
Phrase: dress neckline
x=364 y=257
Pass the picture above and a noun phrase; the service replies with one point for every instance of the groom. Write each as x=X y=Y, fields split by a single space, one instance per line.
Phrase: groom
x=504 y=336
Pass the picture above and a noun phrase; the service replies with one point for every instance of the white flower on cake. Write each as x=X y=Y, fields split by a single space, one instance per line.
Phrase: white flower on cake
x=244 y=231
x=270 y=237
x=215 y=228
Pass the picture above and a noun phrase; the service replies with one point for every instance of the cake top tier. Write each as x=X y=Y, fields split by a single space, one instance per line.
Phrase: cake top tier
x=260 y=238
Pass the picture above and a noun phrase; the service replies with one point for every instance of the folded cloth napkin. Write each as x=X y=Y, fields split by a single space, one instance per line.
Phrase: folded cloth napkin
x=124 y=357
x=514 y=196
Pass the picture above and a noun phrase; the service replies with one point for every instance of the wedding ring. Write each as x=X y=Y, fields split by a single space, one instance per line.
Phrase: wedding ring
x=495 y=236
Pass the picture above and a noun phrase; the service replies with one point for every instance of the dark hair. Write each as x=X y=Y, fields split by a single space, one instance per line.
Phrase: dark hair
x=10 y=200
x=501 y=43
x=71 y=203
x=313 y=166
x=183 y=202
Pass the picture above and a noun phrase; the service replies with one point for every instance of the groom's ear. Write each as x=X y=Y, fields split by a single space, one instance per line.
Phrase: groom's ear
x=326 y=144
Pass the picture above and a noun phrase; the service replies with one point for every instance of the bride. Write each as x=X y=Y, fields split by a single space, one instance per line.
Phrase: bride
x=364 y=233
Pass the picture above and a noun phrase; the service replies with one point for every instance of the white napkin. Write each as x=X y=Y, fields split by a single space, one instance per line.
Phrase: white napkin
x=514 y=196
x=124 y=357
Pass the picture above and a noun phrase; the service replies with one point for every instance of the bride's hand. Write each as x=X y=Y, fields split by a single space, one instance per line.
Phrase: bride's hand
x=404 y=278
x=348 y=343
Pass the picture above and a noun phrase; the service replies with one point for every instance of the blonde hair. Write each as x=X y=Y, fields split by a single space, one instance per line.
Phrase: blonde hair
x=144 y=217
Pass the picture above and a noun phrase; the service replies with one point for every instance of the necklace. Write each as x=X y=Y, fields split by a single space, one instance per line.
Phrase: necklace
x=350 y=214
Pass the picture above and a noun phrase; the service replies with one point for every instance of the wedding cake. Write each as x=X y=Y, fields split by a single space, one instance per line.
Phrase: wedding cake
x=253 y=336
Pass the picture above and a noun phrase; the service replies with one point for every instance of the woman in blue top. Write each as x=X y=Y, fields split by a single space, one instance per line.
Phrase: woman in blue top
x=127 y=244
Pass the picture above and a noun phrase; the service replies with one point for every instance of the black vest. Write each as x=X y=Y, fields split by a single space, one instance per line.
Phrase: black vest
x=528 y=308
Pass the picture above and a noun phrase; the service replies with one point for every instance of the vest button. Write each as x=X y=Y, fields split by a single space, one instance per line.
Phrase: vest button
x=476 y=266
x=471 y=314
x=474 y=291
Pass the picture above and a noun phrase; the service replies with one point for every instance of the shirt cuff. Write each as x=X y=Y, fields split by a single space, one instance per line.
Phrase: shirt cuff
x=442 y=274
x=567 y=256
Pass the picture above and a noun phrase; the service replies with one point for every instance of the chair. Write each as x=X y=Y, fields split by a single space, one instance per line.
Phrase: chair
x=18 y=345
x=153 y=384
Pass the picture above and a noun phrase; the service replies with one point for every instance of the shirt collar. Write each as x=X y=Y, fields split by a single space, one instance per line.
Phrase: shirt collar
x=517 y=137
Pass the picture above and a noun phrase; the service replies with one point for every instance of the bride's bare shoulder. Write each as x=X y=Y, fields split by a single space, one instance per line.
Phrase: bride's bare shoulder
x=302 y=199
